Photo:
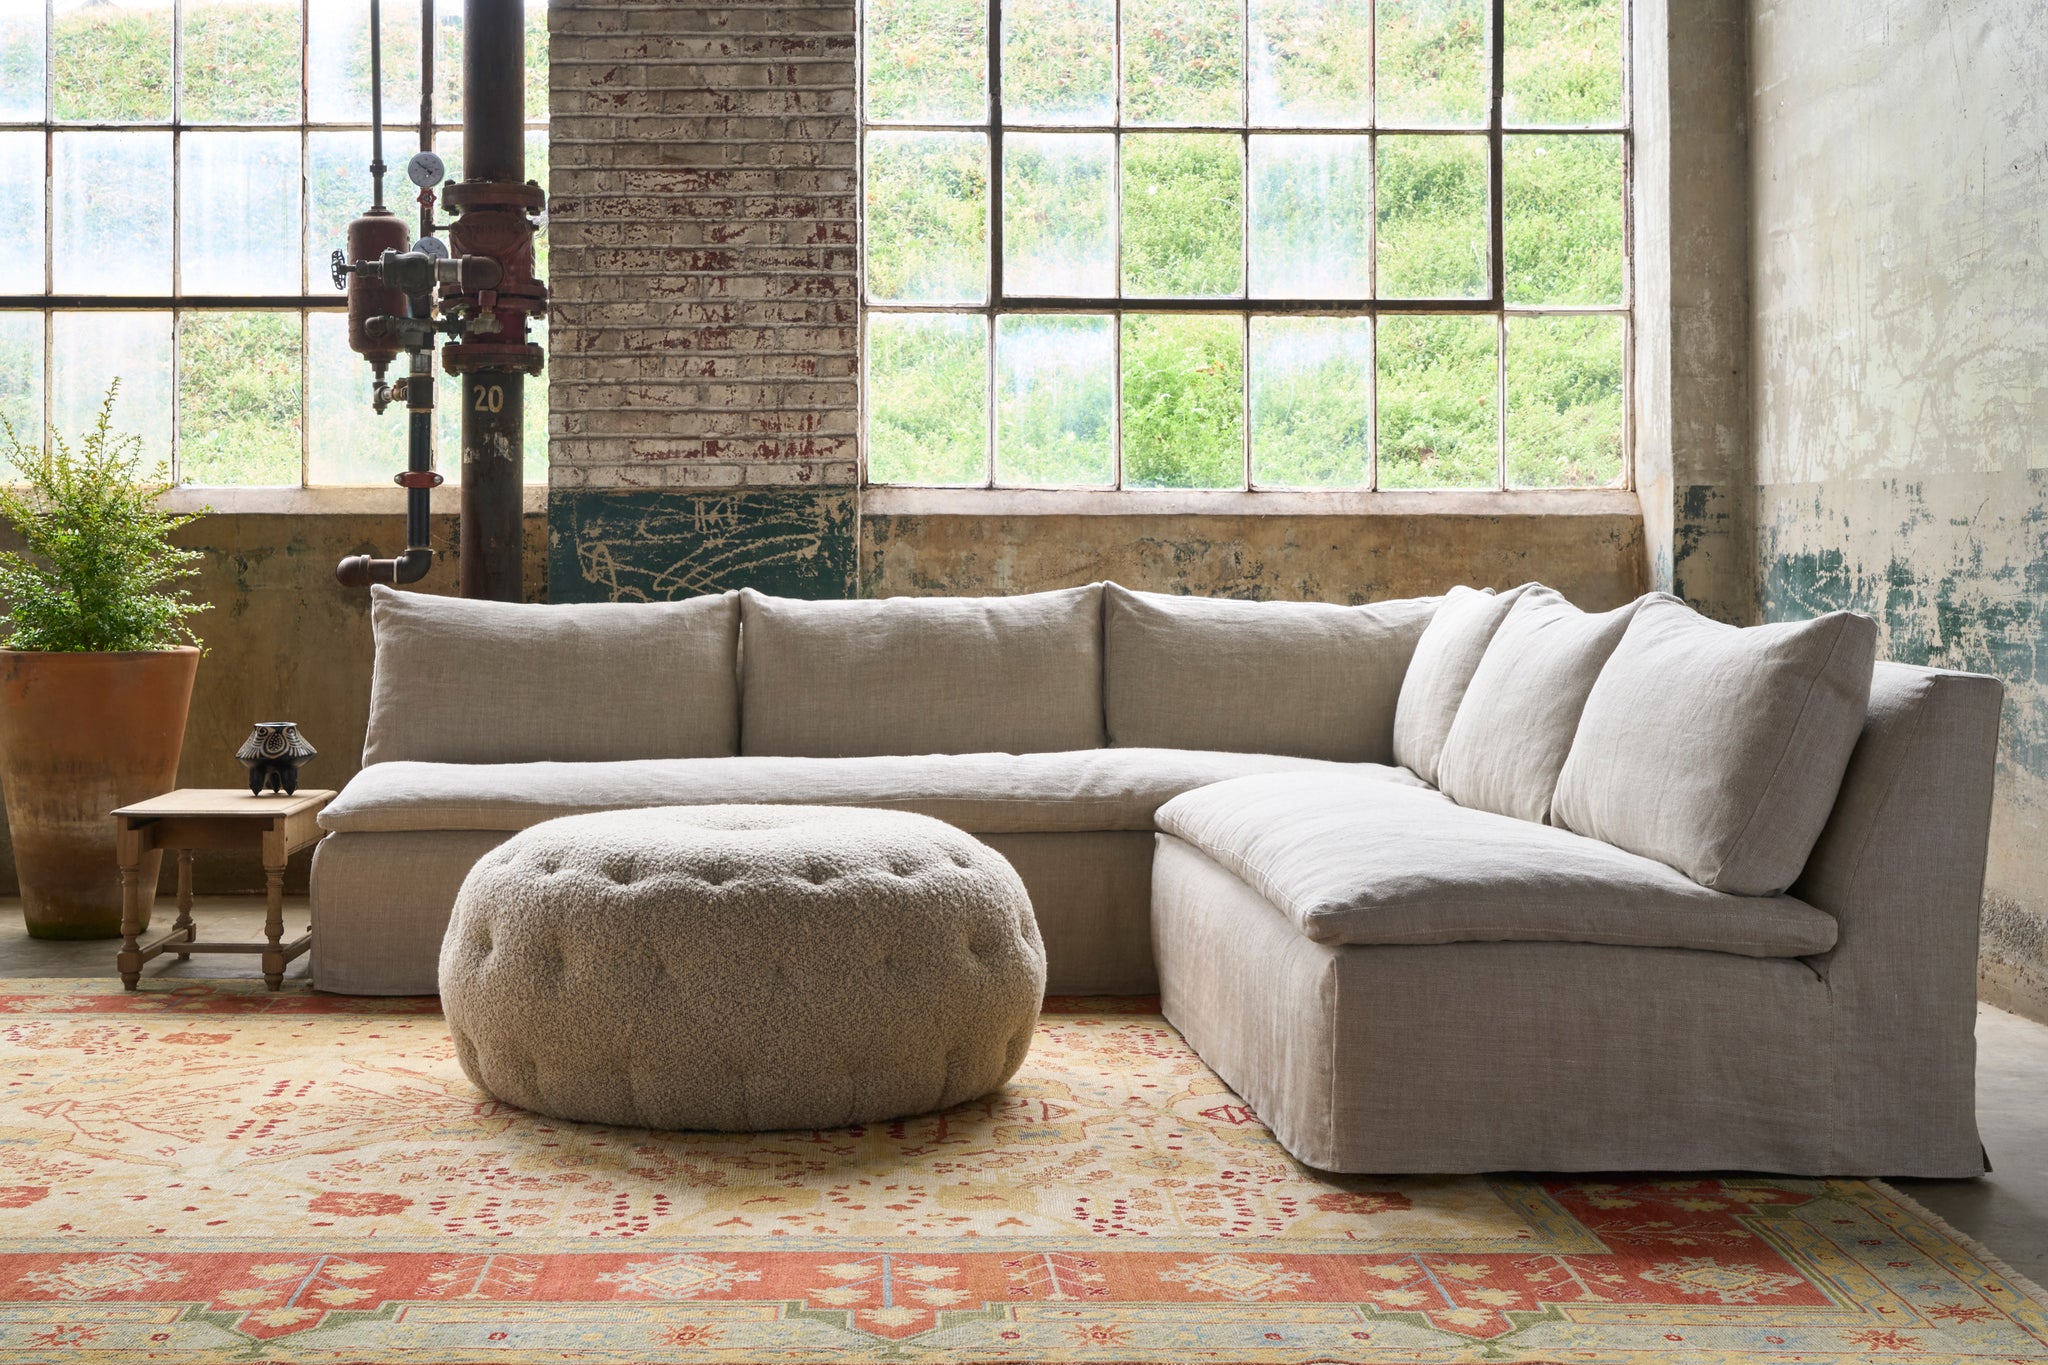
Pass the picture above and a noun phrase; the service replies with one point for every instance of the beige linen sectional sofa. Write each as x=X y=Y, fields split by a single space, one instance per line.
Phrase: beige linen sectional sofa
x=1469 y=883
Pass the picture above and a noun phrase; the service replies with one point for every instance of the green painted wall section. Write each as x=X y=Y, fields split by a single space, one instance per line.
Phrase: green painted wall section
x=646 y=546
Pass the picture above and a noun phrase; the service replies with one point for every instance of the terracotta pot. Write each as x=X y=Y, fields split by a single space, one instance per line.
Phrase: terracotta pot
x=81 y=734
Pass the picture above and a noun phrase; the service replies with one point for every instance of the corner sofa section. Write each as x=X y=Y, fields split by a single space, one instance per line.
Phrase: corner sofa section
x=1458 y=884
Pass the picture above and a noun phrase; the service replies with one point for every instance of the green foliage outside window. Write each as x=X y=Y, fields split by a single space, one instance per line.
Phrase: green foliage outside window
x=1403 y=214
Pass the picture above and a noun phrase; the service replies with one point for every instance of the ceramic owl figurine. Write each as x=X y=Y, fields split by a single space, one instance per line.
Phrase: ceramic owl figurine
x=273 y=752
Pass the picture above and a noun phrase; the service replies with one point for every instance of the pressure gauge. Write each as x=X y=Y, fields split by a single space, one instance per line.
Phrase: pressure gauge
x=432 y=246
x=426 y=170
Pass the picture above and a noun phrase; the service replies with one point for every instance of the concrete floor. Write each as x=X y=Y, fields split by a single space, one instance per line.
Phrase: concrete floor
x=2006 y=1210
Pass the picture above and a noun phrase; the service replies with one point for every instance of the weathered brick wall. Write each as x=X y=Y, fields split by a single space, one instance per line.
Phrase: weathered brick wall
x=704 y=383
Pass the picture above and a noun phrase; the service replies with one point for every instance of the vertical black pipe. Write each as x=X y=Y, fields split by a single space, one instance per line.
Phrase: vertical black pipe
x=493 y=463
x=494 y=90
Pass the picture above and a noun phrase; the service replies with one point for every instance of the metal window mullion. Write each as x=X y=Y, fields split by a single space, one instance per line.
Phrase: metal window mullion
x=1116 y=244
x=993 y=110
x=305 y=234
x=1497 y=238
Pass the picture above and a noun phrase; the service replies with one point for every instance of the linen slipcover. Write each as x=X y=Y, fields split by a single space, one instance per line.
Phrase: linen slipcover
x=921 y=675
x=1440 y=670
x=1515 y=724
x=1308 y=678
x=1719 y=750
x=1091 y=789
x=1361 y=862
x=1466 y=1057
x=381 y=903
x=463 y=681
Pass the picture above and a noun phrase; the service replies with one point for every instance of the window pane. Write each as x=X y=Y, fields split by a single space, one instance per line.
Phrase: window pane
x=21 y=379
x=1438 y=405
x=537 y=172
x=1057 y=64
x=89 y=351
x=1057 y=203
x=1311 y=63
x=1563 y=62
x=1054 y=396
x=1183 y=401
x=338 y=48
x=241 y=61
x=240 y=197
x=21 y=213
x=21 y=59
x=1183 y=202
x=1433 y=68
x=1311 y=217
x=927 y=60
x=1183 y=61
x=348 y=442
x=112 y=60
x=1312 y=402
x=112 y=228
x=927 y=219
x=238 y=398
x=927 y=398
x=1564 y=218
x=1565 y=400
x=447 y=60
x=536 y=72
x=1433 y=235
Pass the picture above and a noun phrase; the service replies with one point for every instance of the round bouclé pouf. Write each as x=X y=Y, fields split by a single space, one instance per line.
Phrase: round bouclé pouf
x=741 y=968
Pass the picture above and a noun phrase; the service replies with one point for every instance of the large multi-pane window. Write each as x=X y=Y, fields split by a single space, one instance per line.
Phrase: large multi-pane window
x=1229 y=244
x=173 y=176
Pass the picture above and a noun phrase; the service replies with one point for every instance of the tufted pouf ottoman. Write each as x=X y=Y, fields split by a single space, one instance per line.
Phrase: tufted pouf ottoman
x=742 y=968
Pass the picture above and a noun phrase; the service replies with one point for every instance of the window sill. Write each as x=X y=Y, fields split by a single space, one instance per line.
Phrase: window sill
x=1025 y=502
x=331 y=501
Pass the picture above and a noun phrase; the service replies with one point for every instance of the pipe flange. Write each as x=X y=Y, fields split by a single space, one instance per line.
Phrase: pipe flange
x=494 y=194
x=468 y=357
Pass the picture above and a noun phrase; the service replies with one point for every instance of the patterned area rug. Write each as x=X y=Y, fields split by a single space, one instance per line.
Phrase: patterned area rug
x=205 y=1172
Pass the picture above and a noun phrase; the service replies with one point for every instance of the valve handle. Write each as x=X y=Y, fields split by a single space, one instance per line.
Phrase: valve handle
x=337 y=270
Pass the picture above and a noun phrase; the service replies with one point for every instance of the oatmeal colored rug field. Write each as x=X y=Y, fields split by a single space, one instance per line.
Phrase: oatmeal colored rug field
x=209 y=1173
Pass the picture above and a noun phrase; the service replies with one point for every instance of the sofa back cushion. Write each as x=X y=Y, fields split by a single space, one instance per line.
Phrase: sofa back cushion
x=921 y=675
x=461 y=681
x=1445 y=659
x=1311 y=679
x=1718 y=750
x=1514 y=727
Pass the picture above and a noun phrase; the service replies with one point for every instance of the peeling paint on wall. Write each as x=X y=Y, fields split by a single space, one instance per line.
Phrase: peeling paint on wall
x=650 y=546
x=1900 y=192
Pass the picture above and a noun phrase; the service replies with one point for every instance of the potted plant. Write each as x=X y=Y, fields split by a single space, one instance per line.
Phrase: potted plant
x=96 y=667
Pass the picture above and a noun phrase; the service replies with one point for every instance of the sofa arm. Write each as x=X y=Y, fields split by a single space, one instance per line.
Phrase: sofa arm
x=1900 y=866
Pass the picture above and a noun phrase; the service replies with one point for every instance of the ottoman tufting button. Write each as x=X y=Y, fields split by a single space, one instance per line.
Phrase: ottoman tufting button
x=785 y=985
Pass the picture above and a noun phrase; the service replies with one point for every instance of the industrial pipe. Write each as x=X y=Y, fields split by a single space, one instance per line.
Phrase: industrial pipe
x=493 y=358
x=419 y=479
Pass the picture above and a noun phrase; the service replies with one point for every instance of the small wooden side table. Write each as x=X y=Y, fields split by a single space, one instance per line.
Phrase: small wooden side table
x=190 y=819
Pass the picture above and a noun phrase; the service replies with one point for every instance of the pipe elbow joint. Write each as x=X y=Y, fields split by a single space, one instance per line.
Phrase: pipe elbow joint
x=360 y=571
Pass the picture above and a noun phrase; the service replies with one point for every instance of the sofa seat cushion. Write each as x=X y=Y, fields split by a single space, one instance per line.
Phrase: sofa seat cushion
x=1357 y=862
x=1081 y=790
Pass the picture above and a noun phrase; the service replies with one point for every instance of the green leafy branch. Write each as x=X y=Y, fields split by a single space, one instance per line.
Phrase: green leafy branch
x=100 y=568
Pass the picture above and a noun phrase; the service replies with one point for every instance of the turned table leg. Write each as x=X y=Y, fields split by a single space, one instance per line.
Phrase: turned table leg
x=129 y=961
x=184 y=921
x=273 y=927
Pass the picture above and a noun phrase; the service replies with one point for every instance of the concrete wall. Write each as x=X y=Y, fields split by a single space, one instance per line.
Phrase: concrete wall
x=1590 y=549
x=1900 y=193
x=1692 y=369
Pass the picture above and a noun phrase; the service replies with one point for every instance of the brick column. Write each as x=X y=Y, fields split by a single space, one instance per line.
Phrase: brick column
x=704 y=342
